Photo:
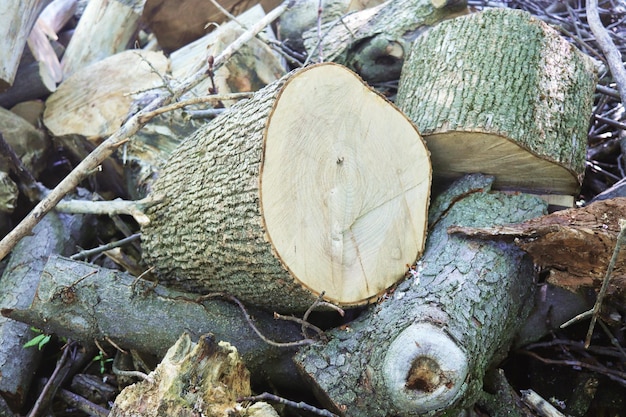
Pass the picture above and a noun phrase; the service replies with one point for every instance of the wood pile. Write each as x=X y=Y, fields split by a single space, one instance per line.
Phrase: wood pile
x=270 y=170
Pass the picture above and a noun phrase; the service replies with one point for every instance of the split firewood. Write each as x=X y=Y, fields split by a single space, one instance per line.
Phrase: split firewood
x=57 y=233
x=425 y=348
x=16 y=21
x=39 y=70
x=105 y=28
x=32 y=81
x=236 y=217
x=142 y=316
x=97 y=99
x=375 y=42
x=251 y=69
x=179 y=23
x=204 y=378
x=575 y=245
x=512 y=103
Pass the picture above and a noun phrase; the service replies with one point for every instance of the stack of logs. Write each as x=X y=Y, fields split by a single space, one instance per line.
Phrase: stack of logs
x=315 y=191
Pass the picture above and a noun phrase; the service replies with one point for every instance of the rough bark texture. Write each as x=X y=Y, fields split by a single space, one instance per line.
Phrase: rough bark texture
x=98 y=303
x=54 y=234
x=16 y=21
x=204 y=378
x=212 y=231
x=501 y=73
x=374 y=42
x=425 y=348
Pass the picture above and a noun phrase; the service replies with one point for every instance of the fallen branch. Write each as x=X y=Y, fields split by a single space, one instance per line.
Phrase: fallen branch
x=613 y=57
x=130 y=127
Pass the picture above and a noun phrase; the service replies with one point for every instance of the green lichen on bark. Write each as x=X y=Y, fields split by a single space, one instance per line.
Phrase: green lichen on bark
x=506 y=73
x=193 y=238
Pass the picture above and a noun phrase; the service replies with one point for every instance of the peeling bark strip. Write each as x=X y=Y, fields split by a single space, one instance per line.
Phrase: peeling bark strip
x=316 y=184
x=500 y=92
x=427 y=347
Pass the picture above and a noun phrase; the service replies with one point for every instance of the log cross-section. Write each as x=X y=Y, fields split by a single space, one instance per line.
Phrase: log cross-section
x=316 y=184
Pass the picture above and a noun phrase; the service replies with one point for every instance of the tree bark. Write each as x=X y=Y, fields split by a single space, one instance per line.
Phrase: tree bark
x=85 y=302
x=374 y=42
x=316 y=184
x=106 y=28
x=501 y=93
x=54 y=234
x=16 y=21
x=426 y=347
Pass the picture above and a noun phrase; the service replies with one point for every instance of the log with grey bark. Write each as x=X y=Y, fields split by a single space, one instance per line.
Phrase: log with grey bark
x=511 y=103
x=316 y=184
x=56 y=233
x=425 y=349
x=86 y=302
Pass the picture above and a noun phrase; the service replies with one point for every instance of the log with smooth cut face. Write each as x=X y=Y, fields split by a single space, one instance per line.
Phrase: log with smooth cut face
x=316 y=184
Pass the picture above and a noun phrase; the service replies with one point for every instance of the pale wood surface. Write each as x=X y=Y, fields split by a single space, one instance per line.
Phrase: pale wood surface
x=16 y=21
x=96 y=100
x=513 y=103
x=316 y=174
x=106 y=28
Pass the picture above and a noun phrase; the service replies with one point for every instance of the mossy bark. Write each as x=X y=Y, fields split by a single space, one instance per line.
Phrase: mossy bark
x=315 y=185
x=503 y=74
x=425 y=349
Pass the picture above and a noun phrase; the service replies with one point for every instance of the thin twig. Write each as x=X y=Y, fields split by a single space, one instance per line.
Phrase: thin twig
x=234 y=299
x=129 y=128
x=605 y=282
x=62 y=365
x=266 y=396
x=133 y=208
x=29 y=185
x=195 y=100
x=88 y=252
x=612 y=54
x=613 y=374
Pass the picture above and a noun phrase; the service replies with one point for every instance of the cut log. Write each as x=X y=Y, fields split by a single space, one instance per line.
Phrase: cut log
x=139 y=315
x=304 y=15
x=204 y=378
x=96 y=100
x=105 y=28
x=374 y=42
x=16 y=21
x=425 y=348
x=316 y=184
x=514 y=102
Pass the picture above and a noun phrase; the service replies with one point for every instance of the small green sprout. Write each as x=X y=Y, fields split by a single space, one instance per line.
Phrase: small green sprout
x=40 y=340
